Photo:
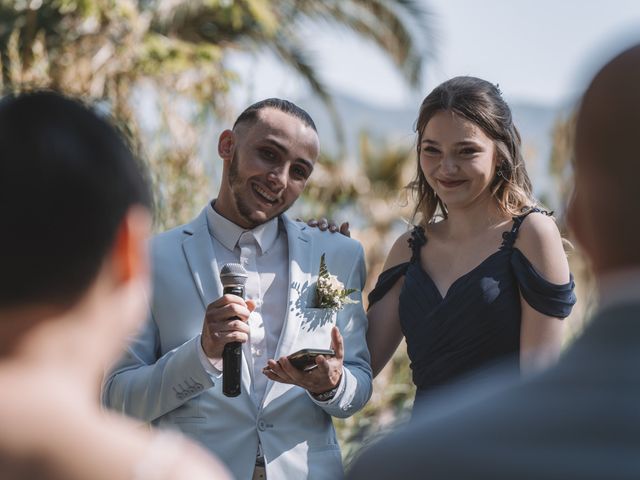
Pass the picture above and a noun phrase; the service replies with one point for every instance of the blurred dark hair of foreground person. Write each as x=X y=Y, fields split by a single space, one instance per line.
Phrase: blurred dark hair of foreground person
x=74 y=274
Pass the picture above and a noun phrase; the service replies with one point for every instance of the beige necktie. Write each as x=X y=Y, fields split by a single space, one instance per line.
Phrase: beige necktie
x=257 y=341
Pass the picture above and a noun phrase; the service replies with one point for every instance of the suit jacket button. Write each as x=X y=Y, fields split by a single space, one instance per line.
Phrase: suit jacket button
x=262 y=426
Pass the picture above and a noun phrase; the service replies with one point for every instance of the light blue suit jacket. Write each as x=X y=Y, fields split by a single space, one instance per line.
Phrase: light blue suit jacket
x=162 y=381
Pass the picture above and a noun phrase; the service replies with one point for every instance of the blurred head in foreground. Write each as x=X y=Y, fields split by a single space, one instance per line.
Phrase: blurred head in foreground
x=75 y=218
x=74 y=273
x=605 y=211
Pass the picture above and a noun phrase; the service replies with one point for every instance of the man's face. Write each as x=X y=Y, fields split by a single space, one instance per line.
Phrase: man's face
x=267 y=164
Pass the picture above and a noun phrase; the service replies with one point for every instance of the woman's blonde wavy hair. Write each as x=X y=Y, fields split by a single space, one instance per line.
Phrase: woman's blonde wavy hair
x=480 y=102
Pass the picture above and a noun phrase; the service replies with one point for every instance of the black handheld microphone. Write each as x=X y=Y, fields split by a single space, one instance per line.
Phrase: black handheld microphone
x=233 y=277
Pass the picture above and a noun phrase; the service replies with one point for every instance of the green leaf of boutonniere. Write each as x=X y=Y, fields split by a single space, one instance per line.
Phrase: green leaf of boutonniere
x=330 y=292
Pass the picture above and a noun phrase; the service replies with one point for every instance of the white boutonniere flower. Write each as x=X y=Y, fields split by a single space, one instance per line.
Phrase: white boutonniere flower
x=330 y=292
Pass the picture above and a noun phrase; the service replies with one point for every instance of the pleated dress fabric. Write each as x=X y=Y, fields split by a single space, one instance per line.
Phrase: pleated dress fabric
x=477 y=322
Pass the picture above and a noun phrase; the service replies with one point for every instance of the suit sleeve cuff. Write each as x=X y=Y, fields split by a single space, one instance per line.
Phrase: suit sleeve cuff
x=213 y=367
x=336 y=396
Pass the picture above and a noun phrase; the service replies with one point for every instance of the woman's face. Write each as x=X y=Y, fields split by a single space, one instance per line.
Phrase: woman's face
x=458 y=159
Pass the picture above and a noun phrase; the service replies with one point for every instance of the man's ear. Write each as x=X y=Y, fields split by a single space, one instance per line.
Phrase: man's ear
x=226 y=145
x=130 y=251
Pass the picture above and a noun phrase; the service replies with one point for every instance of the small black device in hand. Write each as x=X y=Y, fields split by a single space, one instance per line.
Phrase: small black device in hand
x=305 y=359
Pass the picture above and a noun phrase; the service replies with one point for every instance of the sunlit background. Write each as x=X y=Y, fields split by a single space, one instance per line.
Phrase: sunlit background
x=175 y=73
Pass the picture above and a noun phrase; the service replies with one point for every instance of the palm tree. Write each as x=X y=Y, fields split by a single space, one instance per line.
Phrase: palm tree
x=399 y=27
x=104 y=49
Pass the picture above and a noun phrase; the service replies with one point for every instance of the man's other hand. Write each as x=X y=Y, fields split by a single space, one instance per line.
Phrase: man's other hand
x=317 y=380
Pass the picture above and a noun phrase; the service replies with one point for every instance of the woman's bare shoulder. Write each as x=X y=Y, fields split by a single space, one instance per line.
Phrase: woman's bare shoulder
x=537 y=234
x=540 y=241
x=400 y=251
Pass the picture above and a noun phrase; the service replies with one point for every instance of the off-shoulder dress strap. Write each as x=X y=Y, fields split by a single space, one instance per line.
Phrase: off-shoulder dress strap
x=509 y=237
x=389 y=277
x=416 y=241
x=552 y=299
x=555 y=300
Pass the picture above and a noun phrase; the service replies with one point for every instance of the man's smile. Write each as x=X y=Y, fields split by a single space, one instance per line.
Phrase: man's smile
x=264 y=194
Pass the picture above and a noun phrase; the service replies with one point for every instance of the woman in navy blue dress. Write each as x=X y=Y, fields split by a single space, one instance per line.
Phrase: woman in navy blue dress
x=483 y=276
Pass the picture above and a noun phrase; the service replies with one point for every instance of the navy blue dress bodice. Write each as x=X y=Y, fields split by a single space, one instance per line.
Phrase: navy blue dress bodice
x=478 y=320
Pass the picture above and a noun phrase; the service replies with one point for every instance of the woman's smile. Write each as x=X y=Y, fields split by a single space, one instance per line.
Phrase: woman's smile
x=450 y=183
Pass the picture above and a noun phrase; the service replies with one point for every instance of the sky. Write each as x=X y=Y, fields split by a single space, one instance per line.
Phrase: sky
x=538 y=51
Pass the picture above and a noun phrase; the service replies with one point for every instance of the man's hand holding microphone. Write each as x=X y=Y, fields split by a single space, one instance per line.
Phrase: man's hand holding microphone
x=225 y=327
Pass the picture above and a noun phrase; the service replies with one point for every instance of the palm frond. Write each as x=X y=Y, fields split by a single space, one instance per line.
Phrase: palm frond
x=401 y=28
x=298 y=59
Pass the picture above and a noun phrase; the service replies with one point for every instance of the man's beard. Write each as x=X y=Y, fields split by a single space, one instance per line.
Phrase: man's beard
x=239 y=194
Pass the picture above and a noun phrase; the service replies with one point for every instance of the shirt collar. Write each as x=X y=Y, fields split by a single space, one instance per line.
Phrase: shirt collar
x=228 y=233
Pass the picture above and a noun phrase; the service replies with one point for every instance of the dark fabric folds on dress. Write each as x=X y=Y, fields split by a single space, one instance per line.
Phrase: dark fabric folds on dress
x=546 y=297
x=478 y=320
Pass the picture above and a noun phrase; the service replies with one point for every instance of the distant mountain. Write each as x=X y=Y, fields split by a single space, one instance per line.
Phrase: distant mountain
x=396 y=127
x=383 y=124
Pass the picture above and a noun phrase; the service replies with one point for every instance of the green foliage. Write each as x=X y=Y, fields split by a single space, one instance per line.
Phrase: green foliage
x=103 y=50
x=390 y=406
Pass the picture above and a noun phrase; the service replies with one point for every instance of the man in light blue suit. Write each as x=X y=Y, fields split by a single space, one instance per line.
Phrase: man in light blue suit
x=581 y=418
x=280 y=425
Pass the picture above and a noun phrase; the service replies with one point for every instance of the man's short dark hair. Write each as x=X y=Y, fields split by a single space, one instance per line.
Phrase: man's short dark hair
x=67 y=179
x=251 y=112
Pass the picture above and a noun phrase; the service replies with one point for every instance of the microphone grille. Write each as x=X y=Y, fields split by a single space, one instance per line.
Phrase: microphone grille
x=233 y=274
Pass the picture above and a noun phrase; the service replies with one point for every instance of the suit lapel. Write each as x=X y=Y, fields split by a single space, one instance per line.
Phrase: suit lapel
x=300 y=279
x=198 y=250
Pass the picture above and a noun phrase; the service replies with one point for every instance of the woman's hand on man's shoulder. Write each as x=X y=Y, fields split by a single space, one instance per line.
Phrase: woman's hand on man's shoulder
x=323 y=224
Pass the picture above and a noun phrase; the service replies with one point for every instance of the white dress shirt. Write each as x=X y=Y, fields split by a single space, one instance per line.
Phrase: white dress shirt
x=267 y=285
x=264 y=253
